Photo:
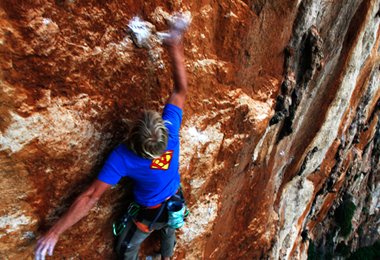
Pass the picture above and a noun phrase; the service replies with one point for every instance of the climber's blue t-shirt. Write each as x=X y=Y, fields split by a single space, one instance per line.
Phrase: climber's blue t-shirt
x=153 y=180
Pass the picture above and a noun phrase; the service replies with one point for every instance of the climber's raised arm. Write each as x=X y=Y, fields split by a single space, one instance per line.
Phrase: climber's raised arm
x=78 y=210
x=173 y=41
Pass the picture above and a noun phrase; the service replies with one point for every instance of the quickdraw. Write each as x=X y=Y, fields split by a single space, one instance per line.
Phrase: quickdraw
x=133 y=209
x=118 y=227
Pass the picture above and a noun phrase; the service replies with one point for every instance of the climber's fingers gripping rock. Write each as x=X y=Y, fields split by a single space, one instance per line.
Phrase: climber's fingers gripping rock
x=178 y=26
x=179 y=23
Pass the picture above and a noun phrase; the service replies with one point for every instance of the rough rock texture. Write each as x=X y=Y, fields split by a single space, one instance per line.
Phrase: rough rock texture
x=281 y=126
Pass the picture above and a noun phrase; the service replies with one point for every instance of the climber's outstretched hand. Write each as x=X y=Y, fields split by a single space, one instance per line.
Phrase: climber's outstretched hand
x=178 y=24
x=45 y=245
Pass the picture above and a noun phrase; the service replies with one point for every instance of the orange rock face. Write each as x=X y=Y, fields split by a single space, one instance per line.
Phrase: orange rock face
x=281 y=124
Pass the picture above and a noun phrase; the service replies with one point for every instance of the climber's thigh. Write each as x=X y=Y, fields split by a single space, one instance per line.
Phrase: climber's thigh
x=130 y=241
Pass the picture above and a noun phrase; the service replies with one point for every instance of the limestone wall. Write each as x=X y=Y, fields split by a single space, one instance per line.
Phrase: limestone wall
x=281 y=124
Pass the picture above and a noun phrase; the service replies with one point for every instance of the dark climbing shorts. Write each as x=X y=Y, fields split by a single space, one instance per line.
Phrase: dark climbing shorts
x=130 y=239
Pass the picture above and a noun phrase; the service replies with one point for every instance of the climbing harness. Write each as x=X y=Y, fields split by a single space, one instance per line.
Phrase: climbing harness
x=176 y=214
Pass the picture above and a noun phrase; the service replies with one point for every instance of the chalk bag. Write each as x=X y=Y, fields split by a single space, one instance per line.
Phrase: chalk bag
x=176 y=212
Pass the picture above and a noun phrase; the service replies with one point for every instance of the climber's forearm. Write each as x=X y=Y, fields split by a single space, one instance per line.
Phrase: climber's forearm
x=179 y=71
x=81 y=206
x=76 y=212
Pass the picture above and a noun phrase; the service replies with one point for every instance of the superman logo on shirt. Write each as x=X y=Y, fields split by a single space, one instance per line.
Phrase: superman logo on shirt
x=163 y=162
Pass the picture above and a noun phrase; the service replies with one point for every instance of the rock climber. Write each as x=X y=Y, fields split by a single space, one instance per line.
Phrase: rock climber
x=150 y=157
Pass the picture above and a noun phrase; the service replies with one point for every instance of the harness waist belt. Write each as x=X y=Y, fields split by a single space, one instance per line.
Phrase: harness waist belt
x=159 y=205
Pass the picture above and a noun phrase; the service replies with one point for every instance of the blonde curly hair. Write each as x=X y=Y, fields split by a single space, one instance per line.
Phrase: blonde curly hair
x=148 y=136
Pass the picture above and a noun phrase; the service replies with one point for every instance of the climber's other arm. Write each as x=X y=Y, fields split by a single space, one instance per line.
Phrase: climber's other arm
x=78 y=210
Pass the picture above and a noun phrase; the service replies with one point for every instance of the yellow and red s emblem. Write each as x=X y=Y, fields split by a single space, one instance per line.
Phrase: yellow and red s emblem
x=163 y=162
